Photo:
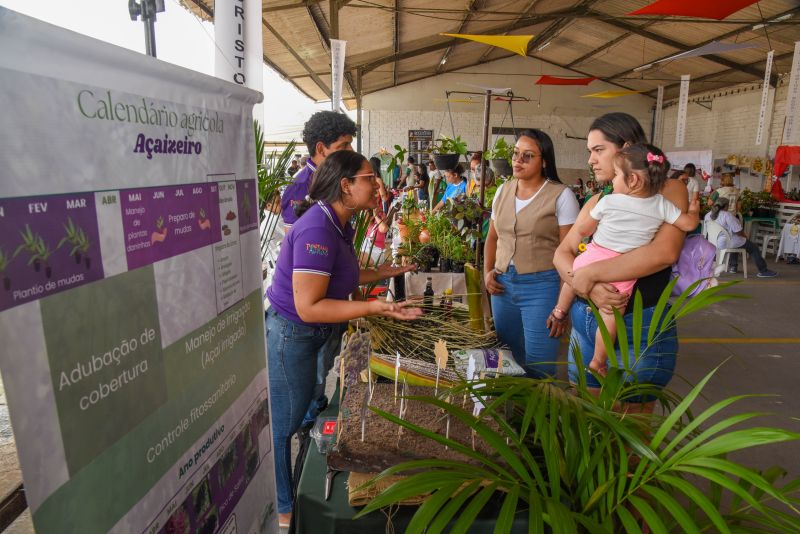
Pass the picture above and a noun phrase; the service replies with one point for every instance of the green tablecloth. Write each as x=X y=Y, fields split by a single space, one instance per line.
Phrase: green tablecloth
x=314 y=515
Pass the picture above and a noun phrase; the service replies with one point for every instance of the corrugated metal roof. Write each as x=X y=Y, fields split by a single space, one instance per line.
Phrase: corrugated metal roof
x=391 y=42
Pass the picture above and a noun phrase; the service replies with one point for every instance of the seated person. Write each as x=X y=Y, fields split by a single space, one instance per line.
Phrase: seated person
x=727 y=190
x=719 y=213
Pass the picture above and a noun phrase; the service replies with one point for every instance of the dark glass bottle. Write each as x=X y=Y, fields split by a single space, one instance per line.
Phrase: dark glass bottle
x=427 y=296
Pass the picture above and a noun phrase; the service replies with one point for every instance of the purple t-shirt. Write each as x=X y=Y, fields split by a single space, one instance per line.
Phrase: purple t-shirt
x=317 y=244
x=296 y=192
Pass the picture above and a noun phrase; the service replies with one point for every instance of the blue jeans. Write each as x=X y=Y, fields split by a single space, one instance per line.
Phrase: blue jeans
x=325 y=357
x=293 y=351
x=656 y=363
x=520 y=317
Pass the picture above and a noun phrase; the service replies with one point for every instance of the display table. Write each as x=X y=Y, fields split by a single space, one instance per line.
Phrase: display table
x=314 y=515
x=415 y=286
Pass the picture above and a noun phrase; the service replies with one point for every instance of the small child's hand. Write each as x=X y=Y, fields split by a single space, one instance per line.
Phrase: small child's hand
x=599 y=366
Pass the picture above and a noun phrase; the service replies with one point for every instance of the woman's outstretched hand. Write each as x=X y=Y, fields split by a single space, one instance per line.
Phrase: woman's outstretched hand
x=402 y=311
x=386 y=270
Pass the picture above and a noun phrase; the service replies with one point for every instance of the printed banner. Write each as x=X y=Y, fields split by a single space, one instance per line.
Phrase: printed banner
x=337 y=72
x=793 y=100
x=131 y=307
x=762 y=113
x=659 y=117
x=683 y=102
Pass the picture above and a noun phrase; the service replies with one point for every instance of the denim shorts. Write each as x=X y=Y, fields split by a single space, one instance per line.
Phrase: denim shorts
x=655 y=365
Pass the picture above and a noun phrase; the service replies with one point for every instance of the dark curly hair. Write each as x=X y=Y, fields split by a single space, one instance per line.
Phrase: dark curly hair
x=326 y=126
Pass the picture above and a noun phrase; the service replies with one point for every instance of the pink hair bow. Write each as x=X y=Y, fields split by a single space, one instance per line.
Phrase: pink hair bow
x=652 y=157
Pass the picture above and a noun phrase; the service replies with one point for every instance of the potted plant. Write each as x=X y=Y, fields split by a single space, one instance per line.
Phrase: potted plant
x=748 y=202
x=458 y=254
x=765 y=205
x=500 y=156
x=446 y=151
x=568 y=462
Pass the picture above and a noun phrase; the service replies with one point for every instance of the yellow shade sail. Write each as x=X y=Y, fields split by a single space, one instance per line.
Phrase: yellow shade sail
x=612 y=94
x=513 y=43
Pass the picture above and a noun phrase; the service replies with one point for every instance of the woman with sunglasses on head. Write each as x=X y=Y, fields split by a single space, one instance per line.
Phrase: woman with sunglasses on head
x=531 y=214
x=316 y=272
x=650 y=265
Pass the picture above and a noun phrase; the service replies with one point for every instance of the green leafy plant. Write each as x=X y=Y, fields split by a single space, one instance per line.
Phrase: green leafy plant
x=501 y=150
x=491 y=191
x=448 y=145
x=569 y=461
x=272 y=178
x=397 y=158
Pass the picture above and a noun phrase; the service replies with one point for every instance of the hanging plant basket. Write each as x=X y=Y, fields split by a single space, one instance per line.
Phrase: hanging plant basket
x=445 y=161
x=501 y=167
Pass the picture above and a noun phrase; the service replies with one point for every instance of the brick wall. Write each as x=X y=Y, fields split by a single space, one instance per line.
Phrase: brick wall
x=730 y=125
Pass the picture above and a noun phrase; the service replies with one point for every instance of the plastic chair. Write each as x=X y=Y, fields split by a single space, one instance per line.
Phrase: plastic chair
x=712 y=232
x=767 y=240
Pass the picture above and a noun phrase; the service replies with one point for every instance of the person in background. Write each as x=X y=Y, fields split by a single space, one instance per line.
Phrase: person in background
x=318 y=256
x=456 y=186
x=375 y=240
x=324 y=133
x=474 y=179
x=531 y=214
x=650 y=265
x=294 y=166
x=720 y=214
x=422 y=183
x=580 y=191
x=726 y=190
x=438 y=183
x=692 y=184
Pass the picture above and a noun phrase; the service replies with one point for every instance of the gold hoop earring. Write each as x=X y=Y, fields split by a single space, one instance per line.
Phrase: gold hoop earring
x=348 y=207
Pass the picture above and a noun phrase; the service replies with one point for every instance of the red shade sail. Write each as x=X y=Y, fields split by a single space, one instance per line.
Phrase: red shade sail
x=693 y=8
x=555 y=80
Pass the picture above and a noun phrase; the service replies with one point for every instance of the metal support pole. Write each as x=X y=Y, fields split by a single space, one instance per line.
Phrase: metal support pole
x=487 y=104
x=147 y=9
x=358 y=111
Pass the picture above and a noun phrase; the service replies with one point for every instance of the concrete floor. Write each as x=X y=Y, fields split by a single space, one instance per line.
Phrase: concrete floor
x=757 y=341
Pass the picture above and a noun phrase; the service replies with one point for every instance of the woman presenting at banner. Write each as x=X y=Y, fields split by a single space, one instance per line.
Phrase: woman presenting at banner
x=316 y=272
x=650 y=265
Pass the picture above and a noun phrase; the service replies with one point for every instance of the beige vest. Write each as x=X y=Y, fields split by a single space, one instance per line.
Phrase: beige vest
x=531 y=236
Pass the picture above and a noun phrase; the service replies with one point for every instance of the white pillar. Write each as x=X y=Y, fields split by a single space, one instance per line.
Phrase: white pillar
x=239 y=45
x=229 y=34
x=254 y=53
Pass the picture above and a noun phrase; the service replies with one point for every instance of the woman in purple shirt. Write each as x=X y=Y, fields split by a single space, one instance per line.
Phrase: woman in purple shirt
x=316 y=272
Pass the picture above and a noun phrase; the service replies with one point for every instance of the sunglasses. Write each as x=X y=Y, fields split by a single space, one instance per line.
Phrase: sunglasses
x=525 y=157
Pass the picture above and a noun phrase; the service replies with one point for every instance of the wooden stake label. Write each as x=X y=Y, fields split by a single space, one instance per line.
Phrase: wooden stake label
x=442 y=354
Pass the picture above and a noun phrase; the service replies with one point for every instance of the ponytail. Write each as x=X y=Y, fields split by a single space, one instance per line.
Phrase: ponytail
x=648 y=161
x=721 y=204
x=326 y=182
